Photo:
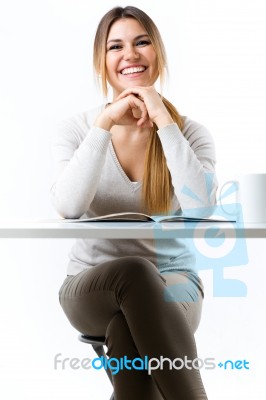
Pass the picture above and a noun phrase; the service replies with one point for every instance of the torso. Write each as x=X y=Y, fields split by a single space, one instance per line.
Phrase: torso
x=130 y=154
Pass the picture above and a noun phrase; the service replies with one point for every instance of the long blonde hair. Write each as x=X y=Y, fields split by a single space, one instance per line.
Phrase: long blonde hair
x=157 y=189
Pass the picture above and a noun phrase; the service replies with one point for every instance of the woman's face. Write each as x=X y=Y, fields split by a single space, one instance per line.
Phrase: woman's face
x=130 y=56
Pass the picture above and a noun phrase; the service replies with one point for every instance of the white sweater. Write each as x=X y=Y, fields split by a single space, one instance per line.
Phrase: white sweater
x=90 y=181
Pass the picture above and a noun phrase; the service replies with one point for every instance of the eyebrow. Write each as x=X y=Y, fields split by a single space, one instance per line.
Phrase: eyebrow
x=120 y=40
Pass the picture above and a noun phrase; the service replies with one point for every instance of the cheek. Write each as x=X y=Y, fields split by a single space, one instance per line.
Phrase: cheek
x=155 y=71
x=113 y=56
x=110 y=64
x=153 y=60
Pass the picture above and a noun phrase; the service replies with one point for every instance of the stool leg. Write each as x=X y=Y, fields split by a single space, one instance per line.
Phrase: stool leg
x=98 y=347
x=99 y=350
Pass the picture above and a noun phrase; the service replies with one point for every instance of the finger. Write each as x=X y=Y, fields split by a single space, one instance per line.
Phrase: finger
x=136 y=113
x=134 y=103
x=144 y=124
x=137 y=91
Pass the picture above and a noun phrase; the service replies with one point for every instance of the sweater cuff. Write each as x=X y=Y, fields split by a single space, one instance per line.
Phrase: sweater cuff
x=98 y=139
x=170 y=135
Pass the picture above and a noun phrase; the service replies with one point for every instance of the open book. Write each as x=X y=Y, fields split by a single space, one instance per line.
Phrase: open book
x=134 y=216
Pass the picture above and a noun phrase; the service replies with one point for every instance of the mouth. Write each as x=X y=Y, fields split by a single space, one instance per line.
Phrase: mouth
x=133 y=70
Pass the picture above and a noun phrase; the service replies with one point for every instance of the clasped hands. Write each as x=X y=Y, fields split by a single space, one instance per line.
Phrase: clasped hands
x=140 y=106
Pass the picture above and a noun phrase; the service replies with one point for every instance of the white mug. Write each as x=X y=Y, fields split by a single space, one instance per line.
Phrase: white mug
x=251 y=195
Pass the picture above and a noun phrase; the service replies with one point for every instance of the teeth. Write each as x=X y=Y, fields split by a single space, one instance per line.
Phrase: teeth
x=132 y=70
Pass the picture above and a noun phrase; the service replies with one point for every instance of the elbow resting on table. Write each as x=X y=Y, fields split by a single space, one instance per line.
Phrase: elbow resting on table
x=201 y=208
x=65 y=207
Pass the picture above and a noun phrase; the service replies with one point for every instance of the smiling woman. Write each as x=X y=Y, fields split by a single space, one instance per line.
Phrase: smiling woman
x=130 y=61
x=125 y=40
x=140 y=31
x=135 y=155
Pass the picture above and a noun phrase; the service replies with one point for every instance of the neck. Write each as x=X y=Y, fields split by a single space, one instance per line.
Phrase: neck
x=131 y=133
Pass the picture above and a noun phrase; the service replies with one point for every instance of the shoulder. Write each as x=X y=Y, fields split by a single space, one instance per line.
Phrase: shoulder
x=195 y=132
x=192 y=127
x=81 y=122
x=76 y=127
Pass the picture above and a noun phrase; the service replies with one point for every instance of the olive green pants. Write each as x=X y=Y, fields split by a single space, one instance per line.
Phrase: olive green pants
x=141 y=312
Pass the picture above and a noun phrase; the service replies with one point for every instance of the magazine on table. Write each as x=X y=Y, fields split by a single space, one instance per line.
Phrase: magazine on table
x=140 y=217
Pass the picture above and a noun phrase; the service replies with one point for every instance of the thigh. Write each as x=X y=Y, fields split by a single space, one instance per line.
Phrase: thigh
x=91 y=298
x=86 y=303
x=185 y=289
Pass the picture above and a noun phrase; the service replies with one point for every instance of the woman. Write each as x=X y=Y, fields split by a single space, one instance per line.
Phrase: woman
x=134 y=154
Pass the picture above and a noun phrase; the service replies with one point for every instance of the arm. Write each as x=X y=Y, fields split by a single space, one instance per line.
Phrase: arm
x=79 y=154
x=190 y=157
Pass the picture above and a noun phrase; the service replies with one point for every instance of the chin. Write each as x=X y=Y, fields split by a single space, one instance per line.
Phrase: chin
x=135 y=82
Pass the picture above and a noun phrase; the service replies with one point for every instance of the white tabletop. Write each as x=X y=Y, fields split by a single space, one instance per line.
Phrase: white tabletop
x=129 y=230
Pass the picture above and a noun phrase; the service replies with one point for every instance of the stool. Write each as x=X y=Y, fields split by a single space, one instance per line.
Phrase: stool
x=97 y=343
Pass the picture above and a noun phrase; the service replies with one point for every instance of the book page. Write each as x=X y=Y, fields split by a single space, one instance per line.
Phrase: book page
x=182 y=218
x=125 y=216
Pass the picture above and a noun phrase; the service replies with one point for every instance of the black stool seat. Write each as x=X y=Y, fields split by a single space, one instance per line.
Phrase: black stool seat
x=92 y=339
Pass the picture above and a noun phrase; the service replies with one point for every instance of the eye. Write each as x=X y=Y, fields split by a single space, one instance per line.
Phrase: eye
x=143 y=43
x=115 y=47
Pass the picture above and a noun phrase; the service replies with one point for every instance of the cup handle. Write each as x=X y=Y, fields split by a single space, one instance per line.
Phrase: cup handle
x=234 y=212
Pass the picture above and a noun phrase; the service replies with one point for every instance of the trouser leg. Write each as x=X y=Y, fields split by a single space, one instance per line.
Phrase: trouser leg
x=128 y=383
x=134 y=286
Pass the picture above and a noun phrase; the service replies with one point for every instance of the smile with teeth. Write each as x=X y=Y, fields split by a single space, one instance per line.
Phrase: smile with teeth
x=132 y=70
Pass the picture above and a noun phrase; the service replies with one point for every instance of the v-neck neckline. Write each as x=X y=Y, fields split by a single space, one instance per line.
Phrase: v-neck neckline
x=133 y=185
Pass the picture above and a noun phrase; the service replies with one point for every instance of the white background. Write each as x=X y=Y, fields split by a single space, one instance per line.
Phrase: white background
x=217 y=62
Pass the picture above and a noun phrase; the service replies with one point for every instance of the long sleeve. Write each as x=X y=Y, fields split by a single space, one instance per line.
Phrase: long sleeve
x=79 y=154
x=190 y=157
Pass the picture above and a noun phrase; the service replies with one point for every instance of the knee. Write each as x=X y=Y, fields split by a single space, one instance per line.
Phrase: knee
x=135 y=266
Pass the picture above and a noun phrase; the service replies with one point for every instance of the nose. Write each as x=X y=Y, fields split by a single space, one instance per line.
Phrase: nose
x=131 y=53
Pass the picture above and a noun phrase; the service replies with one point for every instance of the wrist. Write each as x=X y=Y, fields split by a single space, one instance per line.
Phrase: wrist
x=104 y=122
x=163 y=120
